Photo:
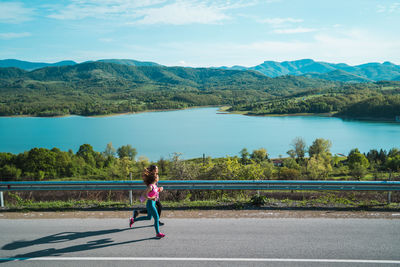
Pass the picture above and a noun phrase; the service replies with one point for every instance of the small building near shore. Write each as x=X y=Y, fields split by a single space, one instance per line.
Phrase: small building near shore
x=277 y=162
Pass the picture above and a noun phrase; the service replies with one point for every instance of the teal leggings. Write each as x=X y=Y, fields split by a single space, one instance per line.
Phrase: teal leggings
x=151 y=212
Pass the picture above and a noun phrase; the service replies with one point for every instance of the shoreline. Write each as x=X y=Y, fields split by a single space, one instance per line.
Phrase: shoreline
x=207 y=214
x=221 y=110
x=293 y=115
x=110 y=115
x=373 y=119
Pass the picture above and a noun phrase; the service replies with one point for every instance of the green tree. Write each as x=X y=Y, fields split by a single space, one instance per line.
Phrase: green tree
x=182 y=170
x=127 y=151
x=41 y=163
x=110 y=150
x=9 y=172
x=319 y=166
x=251 y=172
x=319 y=146
x=382 y=156
x=373 y=156
x=268 y=170
x=88 y=154
x=162 y=166
x=315 y=168
x=393 y=163
x=225 y=169
x=63 y=163
x=125 y=165
x=259 y=155
x=291 y=164
x=244 y=156
x=299 y=147
x=6 y=158
x=358 y=163
x=289 y=174
x=291 y=153
x=358 y=170
x=393 y=152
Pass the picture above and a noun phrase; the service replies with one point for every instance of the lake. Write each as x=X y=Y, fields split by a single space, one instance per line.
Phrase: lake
x=193 y=132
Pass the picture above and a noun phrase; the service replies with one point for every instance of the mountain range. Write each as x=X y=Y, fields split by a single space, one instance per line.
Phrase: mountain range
x=26 y=65
x=29 y=66
x=95 y=88
x=98 y=88
x=114 y=75
x=369 y=72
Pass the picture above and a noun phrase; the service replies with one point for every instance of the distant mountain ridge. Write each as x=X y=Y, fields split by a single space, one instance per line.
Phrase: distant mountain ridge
x=369 y=72
x=105 y=75
x=26 y=65
x=129 y=62
x=323 y=70
x=29 y=66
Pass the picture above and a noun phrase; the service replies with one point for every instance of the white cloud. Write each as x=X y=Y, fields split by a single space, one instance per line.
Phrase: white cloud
x=14 y=12
x=294 y=30
x=392 y=8
x=380 y=9
x=279 y=21
x=176 y=12
x=80 y=9
x=359 y=46
x=227 y=4
x=182 y=12
x=352 y=47
x=182 y=63
x=395 y=7
x=13 y=35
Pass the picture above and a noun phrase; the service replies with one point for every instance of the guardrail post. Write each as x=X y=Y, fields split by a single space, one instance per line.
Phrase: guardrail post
x=130 y=191
x=1 y=199
x=389 y=199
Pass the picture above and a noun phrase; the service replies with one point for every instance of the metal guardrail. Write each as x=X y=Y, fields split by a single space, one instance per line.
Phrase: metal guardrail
x=205 y=185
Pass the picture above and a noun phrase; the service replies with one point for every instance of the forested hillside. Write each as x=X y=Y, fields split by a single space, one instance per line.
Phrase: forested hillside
x=104 y=88
x=379 y=100
x=99 y=88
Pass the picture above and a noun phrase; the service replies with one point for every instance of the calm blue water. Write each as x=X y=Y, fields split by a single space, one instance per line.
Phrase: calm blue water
x=193 y=132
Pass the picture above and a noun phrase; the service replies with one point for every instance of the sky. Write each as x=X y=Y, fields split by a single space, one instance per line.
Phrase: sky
x=201 y=33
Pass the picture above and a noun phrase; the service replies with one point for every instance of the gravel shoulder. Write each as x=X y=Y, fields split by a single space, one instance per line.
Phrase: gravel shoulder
x=176 y=214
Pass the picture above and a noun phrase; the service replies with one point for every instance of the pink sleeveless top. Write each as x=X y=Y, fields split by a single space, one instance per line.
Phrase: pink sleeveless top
x=154 y=191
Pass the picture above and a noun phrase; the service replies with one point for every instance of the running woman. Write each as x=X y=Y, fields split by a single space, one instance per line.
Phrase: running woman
x=150 y=178
x=152 y=168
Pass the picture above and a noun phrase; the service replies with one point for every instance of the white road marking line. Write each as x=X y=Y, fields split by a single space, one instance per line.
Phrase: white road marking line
x=201 y=259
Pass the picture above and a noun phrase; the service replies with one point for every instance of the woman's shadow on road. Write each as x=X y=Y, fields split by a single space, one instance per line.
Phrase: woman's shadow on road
x=69 y=236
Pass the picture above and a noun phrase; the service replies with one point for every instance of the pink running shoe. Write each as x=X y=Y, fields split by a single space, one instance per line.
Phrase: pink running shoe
x=131 y=221
x=160 y=235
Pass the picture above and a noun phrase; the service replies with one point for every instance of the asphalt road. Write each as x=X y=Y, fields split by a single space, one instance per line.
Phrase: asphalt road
x=200 y=242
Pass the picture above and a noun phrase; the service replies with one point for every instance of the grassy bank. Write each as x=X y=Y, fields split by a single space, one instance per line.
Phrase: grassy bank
x=220 y=200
